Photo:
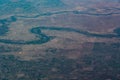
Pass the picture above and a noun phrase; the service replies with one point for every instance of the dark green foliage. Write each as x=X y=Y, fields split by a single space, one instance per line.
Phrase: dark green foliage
x=101 y=65
x=6 y=48
x=4 y=23
x=117 y=31
x=49 y=3
x=9 y=6
x=33 y=70
x=4 y=29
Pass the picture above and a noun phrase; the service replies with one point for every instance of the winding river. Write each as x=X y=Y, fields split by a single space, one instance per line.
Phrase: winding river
x=86 y=12
x=43 y=38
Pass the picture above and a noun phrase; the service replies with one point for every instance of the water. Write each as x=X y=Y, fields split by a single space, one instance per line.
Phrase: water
x=49 y=45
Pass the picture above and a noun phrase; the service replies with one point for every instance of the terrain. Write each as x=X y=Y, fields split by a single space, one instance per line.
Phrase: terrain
x=59 y=40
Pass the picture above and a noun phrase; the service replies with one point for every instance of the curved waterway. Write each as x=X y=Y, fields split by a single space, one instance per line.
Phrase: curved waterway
x=86 y=33
x=44 y=38
x=87 y=12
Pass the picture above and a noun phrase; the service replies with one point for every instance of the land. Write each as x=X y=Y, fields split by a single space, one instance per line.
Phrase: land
x=57 y=40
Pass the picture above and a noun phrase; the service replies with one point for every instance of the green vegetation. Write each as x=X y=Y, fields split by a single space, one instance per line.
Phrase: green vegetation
x=4 y=23
x=10 y=7
x=117 y=31
x=6 y=48
x=99 y=65
x=49 y=3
